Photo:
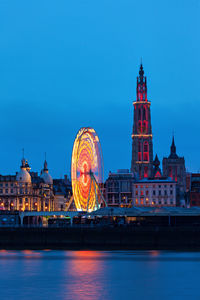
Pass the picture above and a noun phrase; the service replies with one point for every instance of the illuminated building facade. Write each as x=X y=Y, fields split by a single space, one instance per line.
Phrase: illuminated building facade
x=174 y=167
x=119 y=188
x=142 y=145
x=154 y=192
x=26 y=190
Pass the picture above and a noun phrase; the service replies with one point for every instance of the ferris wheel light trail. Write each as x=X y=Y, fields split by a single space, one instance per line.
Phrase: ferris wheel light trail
x=87 y=170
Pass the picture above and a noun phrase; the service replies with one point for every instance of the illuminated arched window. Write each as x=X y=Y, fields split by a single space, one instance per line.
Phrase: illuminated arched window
x=139 y=151
x=144 y=127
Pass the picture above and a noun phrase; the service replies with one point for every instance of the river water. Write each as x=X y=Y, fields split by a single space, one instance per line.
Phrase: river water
x=99 y=275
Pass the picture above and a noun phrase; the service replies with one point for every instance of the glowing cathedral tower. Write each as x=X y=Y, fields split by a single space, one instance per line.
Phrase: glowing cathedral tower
x=142 y=146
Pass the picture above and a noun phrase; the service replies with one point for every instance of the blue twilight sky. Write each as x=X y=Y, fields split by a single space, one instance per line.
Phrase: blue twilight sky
x=68 y=64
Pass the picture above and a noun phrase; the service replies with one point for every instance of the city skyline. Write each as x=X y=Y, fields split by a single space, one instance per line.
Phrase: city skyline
x=65 y=69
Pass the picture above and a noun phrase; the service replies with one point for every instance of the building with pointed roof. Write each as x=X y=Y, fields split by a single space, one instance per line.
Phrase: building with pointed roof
x=45 y=174
x=174 y=167
x=142 y=142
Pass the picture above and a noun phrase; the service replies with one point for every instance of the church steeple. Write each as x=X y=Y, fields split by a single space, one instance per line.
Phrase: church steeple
x=173 y=150
x=141 y=85
x=142 y=146
x=45 y=166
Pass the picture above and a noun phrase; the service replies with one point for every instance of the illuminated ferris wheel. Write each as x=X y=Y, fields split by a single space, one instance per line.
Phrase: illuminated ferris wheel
x=87 y=170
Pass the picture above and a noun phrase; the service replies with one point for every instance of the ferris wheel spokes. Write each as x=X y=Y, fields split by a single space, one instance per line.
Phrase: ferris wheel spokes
x=87 y=170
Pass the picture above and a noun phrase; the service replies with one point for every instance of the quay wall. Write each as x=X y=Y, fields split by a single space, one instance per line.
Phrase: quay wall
x=103 y=238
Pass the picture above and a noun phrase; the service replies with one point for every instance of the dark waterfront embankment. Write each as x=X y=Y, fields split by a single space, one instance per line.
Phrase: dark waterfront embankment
x=102 y=238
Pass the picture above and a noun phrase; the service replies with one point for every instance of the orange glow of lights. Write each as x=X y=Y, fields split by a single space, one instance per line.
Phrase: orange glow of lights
x=85 y=267
x=141 y=135
x=154 y=253
x=141 y=102
x=86 y=158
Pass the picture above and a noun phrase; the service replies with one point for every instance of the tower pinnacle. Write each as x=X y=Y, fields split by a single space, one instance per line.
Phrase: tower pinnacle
x=173 y=149
x=141 y=85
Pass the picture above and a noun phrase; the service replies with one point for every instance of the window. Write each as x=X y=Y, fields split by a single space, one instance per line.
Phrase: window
x=147 y=193
x=6 y=191
x=171 y=192
x=159 y=193
x=144 y=129
x=139 y=151
x=165 y=192
x=145 y=172
x=6 y=184
x=146 y=151
x=136 y=192
x=146 y=147
x=144 y=114
x=154 y=192
x=11 y=191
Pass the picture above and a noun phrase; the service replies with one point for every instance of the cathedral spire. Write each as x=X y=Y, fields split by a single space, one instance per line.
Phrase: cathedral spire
x=173 y=149
x=141 y=85
x=142 y=145
x=141 y=72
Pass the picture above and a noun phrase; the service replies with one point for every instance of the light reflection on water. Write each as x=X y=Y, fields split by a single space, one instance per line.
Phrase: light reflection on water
x=99 y=275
